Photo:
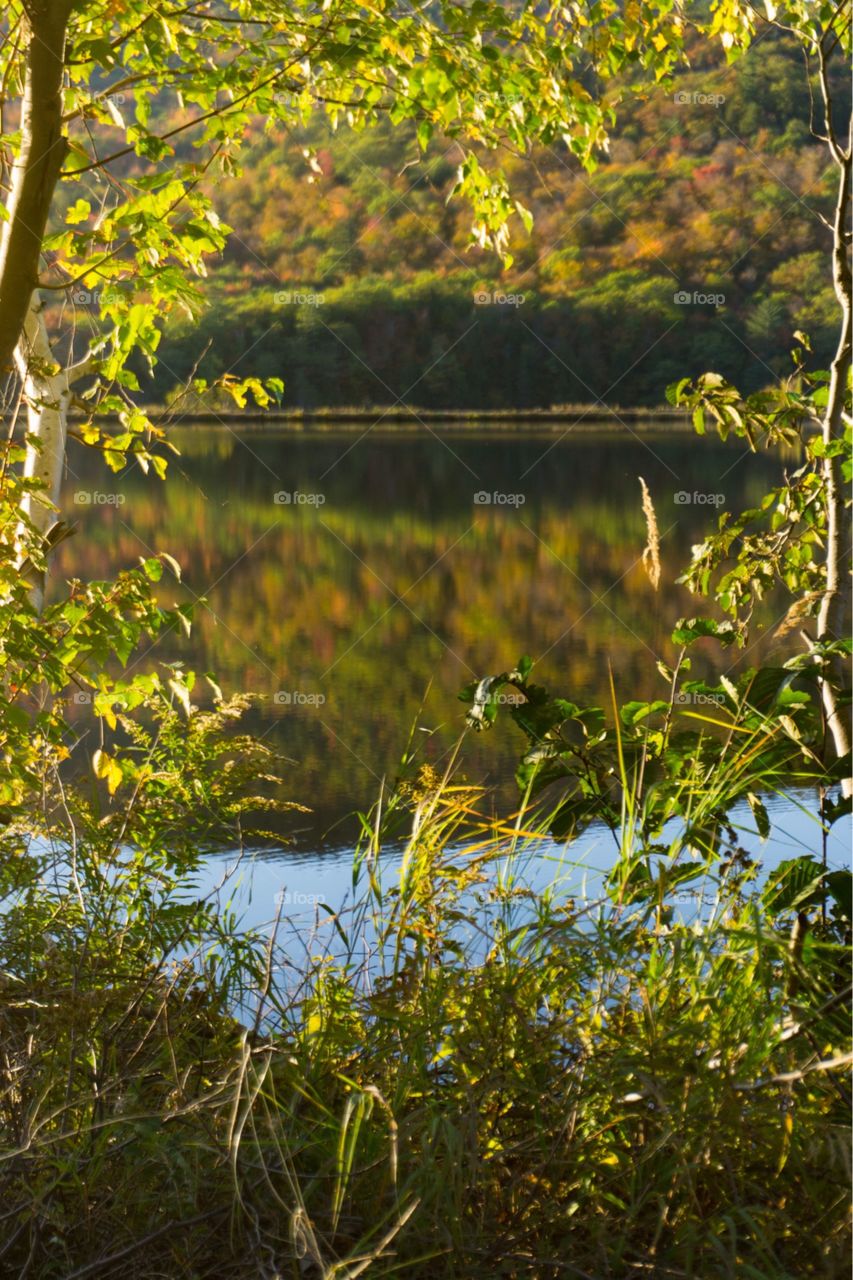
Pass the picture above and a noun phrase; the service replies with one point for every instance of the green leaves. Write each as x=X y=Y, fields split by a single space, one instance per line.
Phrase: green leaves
x=779 y=543
x=759 y=813
x=642 y=773
x=840 y=887
x=688 y=630
x=800 y=883
x=634 y=713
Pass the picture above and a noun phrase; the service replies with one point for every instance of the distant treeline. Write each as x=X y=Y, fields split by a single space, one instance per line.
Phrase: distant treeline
x=428 y=343
x=696 y=244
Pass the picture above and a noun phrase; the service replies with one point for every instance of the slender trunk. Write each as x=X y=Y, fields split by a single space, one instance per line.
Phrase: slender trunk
x=834 y=616
x=35 y=171
x=48 y=392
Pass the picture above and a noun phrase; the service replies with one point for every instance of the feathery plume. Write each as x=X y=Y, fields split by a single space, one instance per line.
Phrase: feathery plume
x=651 y=554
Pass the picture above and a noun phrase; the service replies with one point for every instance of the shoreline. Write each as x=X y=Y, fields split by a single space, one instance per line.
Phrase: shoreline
x=319 y=421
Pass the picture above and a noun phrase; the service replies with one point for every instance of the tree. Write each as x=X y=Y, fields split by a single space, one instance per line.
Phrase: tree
x=811 y=510
x=834 y=616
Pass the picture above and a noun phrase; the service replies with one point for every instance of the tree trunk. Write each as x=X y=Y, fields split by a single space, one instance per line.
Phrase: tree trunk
x=834 y=617
x=35 y=171
x=48 y=391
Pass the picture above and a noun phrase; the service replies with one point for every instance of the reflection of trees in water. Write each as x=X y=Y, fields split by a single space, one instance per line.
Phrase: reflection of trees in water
x=308 y=608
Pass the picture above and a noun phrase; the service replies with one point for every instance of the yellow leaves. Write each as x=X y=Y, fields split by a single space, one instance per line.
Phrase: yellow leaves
x=10 y=793
x=108 y=770
x=525 y=215
x=108 y=714
x=443 y=1052
x=791 y=728
x=787 y=1131
x=396 y=48
x=90 y=433
x=78 y=212
x=239 y=390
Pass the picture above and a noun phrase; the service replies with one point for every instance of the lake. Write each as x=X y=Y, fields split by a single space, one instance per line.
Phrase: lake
x=358 y=579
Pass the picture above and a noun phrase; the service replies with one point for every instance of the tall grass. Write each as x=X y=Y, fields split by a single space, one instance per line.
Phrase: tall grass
x=459 y=1076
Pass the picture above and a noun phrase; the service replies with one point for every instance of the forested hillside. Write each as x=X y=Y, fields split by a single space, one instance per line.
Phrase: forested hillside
x=350 y=275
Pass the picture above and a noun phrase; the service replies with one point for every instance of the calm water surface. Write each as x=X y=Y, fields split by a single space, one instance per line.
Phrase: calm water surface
x=358 y=581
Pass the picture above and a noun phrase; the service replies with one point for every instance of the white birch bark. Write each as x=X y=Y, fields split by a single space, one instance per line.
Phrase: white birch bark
x=47 y=392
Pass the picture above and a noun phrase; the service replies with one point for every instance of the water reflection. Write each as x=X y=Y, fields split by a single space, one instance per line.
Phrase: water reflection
x=343 y=577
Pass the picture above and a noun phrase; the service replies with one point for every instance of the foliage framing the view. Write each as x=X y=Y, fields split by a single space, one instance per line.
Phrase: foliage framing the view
x=615 y=1083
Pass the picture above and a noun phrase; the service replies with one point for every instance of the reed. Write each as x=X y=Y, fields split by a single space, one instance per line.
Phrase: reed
x=461 y=1074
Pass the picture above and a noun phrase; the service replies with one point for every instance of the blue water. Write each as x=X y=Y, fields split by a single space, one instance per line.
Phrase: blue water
x=307 y=889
